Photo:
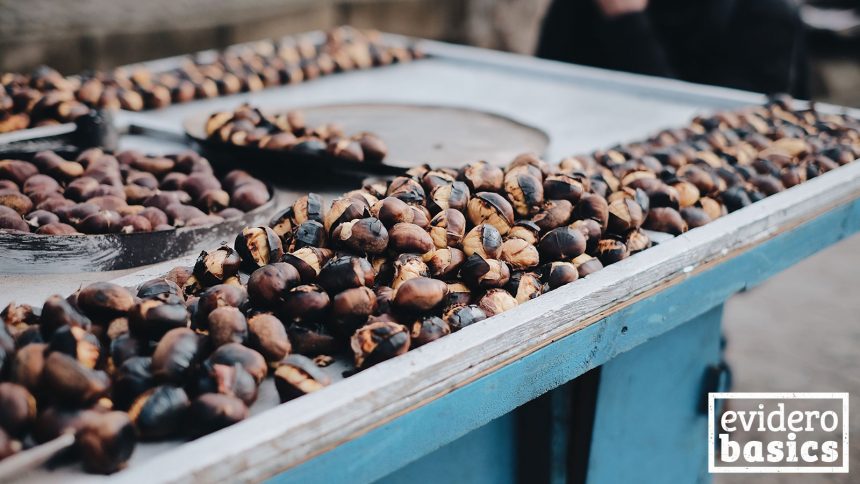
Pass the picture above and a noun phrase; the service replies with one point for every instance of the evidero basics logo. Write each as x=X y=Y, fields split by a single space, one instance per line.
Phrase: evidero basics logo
x=777 y=432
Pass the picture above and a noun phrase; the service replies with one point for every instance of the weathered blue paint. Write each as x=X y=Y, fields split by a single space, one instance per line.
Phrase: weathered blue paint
x=647 y=424
x=409 y=437
x=486 y=455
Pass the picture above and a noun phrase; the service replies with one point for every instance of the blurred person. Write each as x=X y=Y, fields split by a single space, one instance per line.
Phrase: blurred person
x=755 y=45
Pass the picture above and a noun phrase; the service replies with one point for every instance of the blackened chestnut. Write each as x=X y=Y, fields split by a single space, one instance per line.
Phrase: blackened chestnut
x=460 y=316
x=297 y=375
x=563 y=243
x=159 y=412
x=309 y=261
x=407 y=189
x=610 y=251
x=586 y=264
x=453 y=195
x=132 y=378
x=480 y=273
x=594 y=207
x=345 y=273
x=526 y=230
x=525 y=192
x=150 y=319
x=307 y=303
x=553 y=214
x=312 y=339
x=524 y=286
x=377 y=342
x=258 y=246
x=213 y=411
x=215 y=267
x=484 y=240
x=428 y=329
x=105 y=442
x=176 y=355
x=251 y=360
x=482 y=177
x=557 y=274
x=445 y=263
x=624 y=215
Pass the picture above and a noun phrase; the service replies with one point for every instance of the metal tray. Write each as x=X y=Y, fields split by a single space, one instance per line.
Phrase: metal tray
x=414 y=133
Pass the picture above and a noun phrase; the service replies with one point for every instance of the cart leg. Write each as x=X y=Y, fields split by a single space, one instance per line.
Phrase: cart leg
x=648 y=423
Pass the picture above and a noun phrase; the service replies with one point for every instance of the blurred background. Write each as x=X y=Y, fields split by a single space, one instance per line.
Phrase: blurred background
x=85 y=34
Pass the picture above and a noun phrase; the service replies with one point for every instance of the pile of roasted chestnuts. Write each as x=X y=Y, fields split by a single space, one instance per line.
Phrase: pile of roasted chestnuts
x=248 y=126
x=47 y=97
x=101 y=193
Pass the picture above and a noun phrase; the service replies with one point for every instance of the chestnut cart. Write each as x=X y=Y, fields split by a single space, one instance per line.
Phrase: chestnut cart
x=602 y=381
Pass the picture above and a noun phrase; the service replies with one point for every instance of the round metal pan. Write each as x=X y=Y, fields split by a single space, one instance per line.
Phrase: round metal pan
x=415 y=134
x=63 y=254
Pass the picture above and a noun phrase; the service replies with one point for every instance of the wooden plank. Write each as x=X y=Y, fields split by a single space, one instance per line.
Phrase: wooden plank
x=335 y=417
x=648 y=425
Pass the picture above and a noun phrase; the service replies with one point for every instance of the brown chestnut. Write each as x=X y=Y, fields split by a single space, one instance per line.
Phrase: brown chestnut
x=496 y=301
x=258 y=246
x=557 y=274
x=362 y=236
x=445 y=263
x=665 y=219
x=419 y=295
x=447 y=228
x=409 y=238
x=480 y=273
x=377 y=342
x=213 y=411
x=428 y=329
x=159 y=412
x=491 y=209
x=267 y=335
x=297 y=375
x=484 y=240
x=610 y=251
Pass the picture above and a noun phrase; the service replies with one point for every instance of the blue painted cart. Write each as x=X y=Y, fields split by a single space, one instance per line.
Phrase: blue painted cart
x=602 y=380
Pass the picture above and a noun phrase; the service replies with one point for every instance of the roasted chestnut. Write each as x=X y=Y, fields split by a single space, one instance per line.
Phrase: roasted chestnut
x=227 y=325
x=563 y=243
x=419 y=295
x=624 y=215
x=553 y=214
x=215 y=297
x=407 y=189
x=445 y=263
x=665 y=219
x=460 y=316
x=233 y=380
x=267 y=335
x=345 y=273
x=362 y=236
x=377 y=342
x=159 y=412
x=297 y=375
x=557 y=274
x=482 y=177
x=563 y=186
x=308 y=234
x=594 y=207
x=150 y=319
x=57 y=312
x=525 y=192
x=428 y=329
x=132 y=378
x=350 y=309
x=409 y=238
x=637 y=241
x=483 y=240
x=312 y=339
x=70 y=382
x=268 y=285
x=176 y=355
x=496 y=301
x=480 y=273
x=308 y=261
x=586 y=264
x=213 y=411
x=258 y=246
x=491 y=209
x=524 y=286
x=453 y=195
x=447 y=228
x=610 y=251
x=217 y=266
x=233 y=353
x=526 y=230
x=105 y=442
x=19 y=409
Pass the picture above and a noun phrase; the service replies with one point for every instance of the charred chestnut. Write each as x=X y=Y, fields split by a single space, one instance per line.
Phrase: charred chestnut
x=213 y=411
x=453 y=195
x=563 y=243
x=428 y=329
x=586 y=264
x=132 y=378
x=637 y=241
x=297 y=375
x=159 y=412
x=378 y=342
x=480 y=273
x=525 y=192
x=105 y=442
x=309 y=261
x=524 y=286
x=176 y=355
x=624 y=215
x=345 y=273
x=526 y=230
x=447 y=228
x=460 y=316
x=258 y=246
x=482 y=177
x=557 y=274
x=610 y=251
x=215 y=267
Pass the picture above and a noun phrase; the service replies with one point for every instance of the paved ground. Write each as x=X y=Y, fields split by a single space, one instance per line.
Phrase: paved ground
x=800 y=331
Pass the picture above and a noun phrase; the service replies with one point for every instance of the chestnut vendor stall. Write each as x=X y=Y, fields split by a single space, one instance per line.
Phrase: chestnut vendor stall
x=602 y=380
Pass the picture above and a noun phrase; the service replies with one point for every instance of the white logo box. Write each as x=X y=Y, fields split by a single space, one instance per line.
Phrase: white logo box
x=712 y=397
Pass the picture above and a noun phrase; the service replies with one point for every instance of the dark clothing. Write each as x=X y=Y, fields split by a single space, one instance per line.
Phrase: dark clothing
x=755 y=45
